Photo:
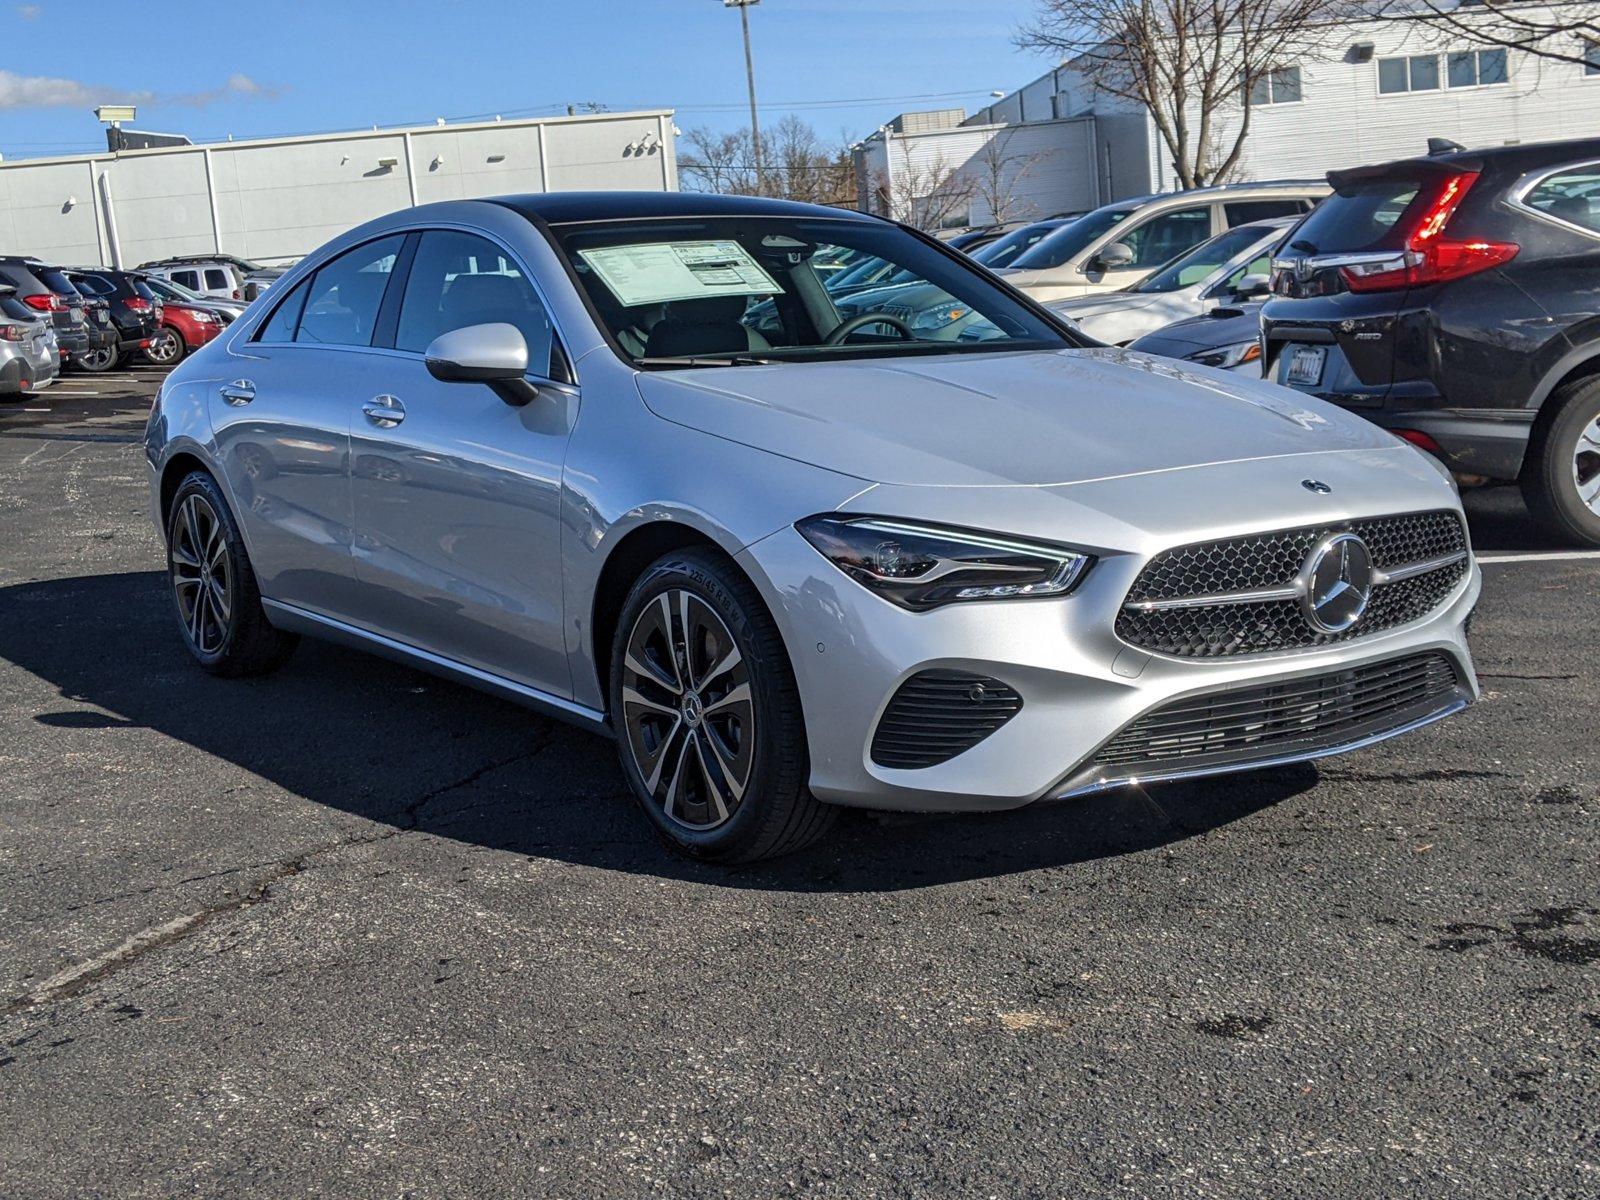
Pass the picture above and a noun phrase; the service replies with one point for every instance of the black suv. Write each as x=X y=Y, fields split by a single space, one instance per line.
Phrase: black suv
x=135 y=311
x=45 y=290
x=1455 y=299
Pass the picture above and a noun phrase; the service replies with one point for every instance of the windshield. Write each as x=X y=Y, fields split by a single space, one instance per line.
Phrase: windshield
x=1003 y=252
x=1203 y=261
x=1067 y=242
x=735 y=290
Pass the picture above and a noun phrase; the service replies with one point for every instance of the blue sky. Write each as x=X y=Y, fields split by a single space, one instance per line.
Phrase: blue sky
x=287 y=66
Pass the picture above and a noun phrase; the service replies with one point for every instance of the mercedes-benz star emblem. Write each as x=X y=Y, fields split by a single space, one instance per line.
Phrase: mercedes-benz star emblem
x=1337 y=578
x=1317 y=486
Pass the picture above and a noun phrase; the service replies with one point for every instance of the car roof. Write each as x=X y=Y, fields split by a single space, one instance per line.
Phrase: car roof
x=560 y=207
x=1526 y=157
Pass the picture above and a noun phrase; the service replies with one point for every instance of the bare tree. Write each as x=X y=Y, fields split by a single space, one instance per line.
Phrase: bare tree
x=1195 y=65
x=996 y=173
x=1565 y=32
x=929 y=194
x=797 y=165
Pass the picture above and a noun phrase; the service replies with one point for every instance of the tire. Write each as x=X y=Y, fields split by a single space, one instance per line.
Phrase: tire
x=166 y=348
x=97 y=362
x=208 y=571
x=748 y=799
x=1561 y=479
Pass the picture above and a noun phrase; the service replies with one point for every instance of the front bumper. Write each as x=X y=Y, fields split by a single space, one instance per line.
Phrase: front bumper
x=1080 y=686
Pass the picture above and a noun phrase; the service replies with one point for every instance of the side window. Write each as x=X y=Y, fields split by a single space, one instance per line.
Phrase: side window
x=281 y=325
x=188 y=279
x=341 y=308
x=459 y=279
x=216 y=277
x=1242 y=212
x=1163 y=238
x=1572 y=195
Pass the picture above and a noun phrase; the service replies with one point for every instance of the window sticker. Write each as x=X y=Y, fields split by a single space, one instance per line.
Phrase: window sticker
x=656 y=272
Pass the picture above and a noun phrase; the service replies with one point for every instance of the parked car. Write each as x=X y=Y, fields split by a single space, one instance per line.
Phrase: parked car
x=827 y=567
x=1455 y=299
x=61 y=303
x=183 y=330
x=171 y=293
x=969 y=240
x=1121 y=243
x=30 y=357
x=218 y=277
x=134 y=310
x=1228 y=337
x=1229 y=268
x=1003 y=251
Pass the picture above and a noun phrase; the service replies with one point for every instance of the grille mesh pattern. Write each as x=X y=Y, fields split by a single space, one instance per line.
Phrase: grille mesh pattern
x=935 y=715
x=1243 y=725
x=1273 y=560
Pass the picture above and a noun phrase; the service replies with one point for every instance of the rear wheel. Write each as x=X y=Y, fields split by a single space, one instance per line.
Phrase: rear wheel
x=98 y=361
x=214 y=590
x=1561 y=479
x=166 y=348
x=708 y=717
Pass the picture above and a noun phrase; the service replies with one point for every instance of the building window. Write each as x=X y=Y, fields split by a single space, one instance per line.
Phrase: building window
x=1477 y=68
x=1281 y=86
x=1417 y=73
x=1591 y=58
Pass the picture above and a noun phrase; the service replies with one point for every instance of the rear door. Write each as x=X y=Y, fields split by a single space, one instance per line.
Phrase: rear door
x=281 y=414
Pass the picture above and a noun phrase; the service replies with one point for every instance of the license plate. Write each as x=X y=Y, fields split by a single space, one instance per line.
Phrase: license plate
x=103 y=317
x=1305 y=365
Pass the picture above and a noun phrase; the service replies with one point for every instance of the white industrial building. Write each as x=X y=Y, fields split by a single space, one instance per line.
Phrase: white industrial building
x=278 y=198
x=1378 y=91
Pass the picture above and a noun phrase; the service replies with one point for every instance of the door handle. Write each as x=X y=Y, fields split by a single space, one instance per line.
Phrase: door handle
x=384 y=411
x=238 y=393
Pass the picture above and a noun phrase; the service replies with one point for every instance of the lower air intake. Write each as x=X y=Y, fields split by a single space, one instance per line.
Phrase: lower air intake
x=936 y=715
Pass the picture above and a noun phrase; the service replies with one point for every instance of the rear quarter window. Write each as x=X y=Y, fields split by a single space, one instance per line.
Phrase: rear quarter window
x=1571 y=196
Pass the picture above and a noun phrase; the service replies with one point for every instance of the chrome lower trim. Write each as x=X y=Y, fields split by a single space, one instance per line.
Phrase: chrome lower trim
x=1086 y=785
x=314 y=625
x=1412 y=570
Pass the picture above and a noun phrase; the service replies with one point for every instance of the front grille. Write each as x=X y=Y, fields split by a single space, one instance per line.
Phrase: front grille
x=1297 y=717
x=936 y=715
x=1274 y=560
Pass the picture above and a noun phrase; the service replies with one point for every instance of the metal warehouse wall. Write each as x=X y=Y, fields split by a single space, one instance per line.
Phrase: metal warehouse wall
x=280 y=198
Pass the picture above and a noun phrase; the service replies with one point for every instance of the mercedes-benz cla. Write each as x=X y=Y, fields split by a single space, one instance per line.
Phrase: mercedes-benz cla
x=539 y=445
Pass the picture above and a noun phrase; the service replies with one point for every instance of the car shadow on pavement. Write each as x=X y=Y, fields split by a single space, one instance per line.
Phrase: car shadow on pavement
x=392 y=745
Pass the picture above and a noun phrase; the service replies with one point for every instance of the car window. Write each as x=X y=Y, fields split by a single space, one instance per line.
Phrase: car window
x=1163 y=238
x=341 y=308
x=216 y=277
x=1005 y=251
x=96 y=284
x=1204 y=260
x=1260 y=265
x=188 y=279
x=1572 y=195
x=1061 y=245
x=1358 y=216
x=459 y=279
x=285 y=319
x=1242 y=212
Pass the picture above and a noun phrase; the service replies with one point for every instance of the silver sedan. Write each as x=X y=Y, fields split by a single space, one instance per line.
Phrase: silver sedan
x=541 y=445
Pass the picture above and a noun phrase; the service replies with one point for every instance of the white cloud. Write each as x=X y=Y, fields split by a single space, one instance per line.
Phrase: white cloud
x=44 y=91
x=29 y=12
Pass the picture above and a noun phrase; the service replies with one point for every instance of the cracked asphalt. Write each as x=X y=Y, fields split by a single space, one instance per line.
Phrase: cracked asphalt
x=348 y=930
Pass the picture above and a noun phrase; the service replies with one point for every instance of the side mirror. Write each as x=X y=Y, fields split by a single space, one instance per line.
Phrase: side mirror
x=1116 y=255
x=1252 y=286
x=494 y=354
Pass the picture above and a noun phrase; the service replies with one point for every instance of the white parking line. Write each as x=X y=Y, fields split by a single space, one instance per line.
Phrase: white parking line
x=1541 y=556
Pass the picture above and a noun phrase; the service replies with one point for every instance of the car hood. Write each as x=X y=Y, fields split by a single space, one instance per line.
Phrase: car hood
x=1009 y=419
x=1207 y=331
x=1106 y=302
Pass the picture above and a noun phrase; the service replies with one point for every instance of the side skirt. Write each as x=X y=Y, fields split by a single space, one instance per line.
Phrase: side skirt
x=313 y=625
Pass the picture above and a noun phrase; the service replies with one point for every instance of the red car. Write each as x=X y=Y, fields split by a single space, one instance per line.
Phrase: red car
x=183 y=330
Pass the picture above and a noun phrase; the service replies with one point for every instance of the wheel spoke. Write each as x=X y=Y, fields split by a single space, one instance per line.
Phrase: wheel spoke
x=632 y=695
x=646 y=669
x=219 y=601
x=670 y=804
x=652 y=770
x=197 y=618
x=674 y=642
x=725 y=764
x=739 y=695
x=182 y=557
x=684 y=643
x=723 y=665
x=713 y=793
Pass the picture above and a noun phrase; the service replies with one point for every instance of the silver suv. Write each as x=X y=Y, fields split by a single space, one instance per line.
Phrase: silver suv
x=1118 y=245
x=539 y=445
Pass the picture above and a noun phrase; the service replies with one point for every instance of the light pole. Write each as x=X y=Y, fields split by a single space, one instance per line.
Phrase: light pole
x=744 y=7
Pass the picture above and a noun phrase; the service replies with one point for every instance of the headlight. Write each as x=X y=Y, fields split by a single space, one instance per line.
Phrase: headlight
x=923 y=566
x=938 y=318
x=1228 y=356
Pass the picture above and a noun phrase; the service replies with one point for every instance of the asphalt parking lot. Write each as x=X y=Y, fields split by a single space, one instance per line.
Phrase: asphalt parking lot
x=348 y=930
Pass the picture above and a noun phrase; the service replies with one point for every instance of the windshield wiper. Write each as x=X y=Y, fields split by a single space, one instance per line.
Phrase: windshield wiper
x=732 y=360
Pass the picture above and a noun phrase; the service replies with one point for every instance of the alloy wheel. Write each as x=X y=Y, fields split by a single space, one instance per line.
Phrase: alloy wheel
x=98 y=360
x=163 y=347
x=202 y=574
x=688 y=711
x=1586 y=466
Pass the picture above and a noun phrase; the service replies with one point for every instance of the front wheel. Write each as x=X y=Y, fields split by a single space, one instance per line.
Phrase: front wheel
x=213 y=587
x=1561 y=479
x=166 y=348
x=708 y=717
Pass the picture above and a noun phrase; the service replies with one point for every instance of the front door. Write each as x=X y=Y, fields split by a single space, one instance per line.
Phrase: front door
x=457 y=494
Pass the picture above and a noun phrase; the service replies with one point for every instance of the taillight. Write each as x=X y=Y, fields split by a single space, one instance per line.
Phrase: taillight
x=13 y=333
x=1428 y=256
x=136 y=304
x=1420 y=440
x=45 y=302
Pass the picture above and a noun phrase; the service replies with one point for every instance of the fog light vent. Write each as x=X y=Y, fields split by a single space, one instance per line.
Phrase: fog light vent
x=936 y=715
